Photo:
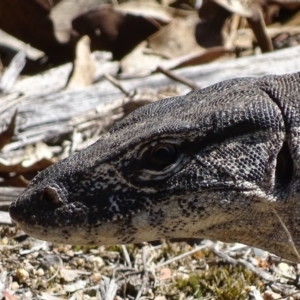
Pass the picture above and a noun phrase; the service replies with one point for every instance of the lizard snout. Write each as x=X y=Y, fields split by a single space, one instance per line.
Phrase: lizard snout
x=30 y=206
x=15 y=212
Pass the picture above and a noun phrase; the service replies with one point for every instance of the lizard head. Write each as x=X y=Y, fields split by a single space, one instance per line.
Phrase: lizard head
x=200 y=165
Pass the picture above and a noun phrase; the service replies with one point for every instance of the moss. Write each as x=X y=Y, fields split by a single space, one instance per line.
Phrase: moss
x=221 y=282
x=114 y=248
x=191 y=286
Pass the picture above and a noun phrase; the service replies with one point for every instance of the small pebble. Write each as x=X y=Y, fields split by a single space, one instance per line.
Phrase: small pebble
x=35 y=254
x=70 y=253
x=165 y=274
x=250 y=288
x=14 y=285
x=98 y=262
x=40 y=272
x=283 y=267
x=22 y=275
x=44 y=283
x=34 y=282
x=4 y=241
x=80 y=262
x=96 y=277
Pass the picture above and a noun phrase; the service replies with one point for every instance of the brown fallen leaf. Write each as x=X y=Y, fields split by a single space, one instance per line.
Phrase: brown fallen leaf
x=203 y=56
x=83 y=67
x=16 y=181
x=177 y=38
x=35 y=158
x=112 y=30
x=6 y=135
x=30 y=22
x=20 y=168
x=210 y=30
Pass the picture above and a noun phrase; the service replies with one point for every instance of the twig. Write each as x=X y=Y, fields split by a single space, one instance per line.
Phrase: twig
x=74 y=143
x=112 y=290
x=287 y=295
x=236 y=247
x=178 y=78
x=59 y=267
x=146 y=275
x=257 y=295
x=124 y=270
x=144 y=258
x=118 y=85
x=126 y=256
x=207 y=245
x=7 y=135
x=288 y=234
x=245 y=264
x=145 y=280
x=257 y=24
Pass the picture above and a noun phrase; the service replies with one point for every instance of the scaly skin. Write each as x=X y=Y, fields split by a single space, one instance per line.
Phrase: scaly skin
x=220 y=163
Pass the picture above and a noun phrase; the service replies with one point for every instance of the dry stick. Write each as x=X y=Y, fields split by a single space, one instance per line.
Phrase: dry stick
x=207 y=245
x=144 y=258
x=178 y=78
x=288 y=295
x=232 y=31
x=61 y=264
x=145 y=280
x=146 y=276
x=112 y=290
x=257 y=295
x=120 y=269
x=288 y=234
x=117 y=84
x=7 y=102
x=257 y=24
x=6 y=135
x=126 y=256
x=74 y=143
x=245 y=264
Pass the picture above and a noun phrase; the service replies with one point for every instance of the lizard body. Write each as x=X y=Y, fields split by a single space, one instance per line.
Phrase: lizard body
x=219 y=163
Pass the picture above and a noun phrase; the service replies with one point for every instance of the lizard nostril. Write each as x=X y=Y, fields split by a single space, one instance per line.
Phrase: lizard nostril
x=51 y=196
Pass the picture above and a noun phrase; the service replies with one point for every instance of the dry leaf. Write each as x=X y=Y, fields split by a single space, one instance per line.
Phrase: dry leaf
x=6 y=136
x=83 y=66
x=176 y=39
x=78 y=285
x=112 y=30
x=24 y=167
x=70 y=275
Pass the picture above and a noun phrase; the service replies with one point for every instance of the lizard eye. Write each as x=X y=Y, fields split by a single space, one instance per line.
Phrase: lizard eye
x=162 y=154
x=157 y=160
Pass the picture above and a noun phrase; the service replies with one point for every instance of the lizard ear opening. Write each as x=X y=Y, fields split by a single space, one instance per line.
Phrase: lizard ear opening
x=284 y=167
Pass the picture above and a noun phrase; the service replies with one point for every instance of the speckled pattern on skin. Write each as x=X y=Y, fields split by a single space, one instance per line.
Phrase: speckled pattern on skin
x=220 y=163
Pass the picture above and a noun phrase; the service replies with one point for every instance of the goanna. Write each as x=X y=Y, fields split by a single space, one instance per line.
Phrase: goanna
x=220 y=163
